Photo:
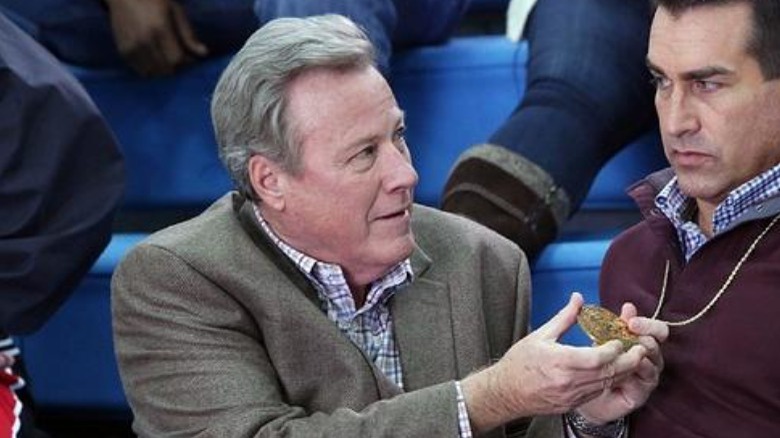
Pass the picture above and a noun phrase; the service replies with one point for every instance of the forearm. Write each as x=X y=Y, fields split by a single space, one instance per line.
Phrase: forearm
x=486 y=407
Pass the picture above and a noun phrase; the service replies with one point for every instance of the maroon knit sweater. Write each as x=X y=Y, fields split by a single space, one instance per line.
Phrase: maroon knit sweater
x=722 y=372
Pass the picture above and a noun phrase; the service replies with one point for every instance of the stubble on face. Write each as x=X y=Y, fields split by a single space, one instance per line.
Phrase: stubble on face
x=719 y=130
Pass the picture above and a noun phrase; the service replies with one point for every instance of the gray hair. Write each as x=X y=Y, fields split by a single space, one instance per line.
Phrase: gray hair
x=249 y=102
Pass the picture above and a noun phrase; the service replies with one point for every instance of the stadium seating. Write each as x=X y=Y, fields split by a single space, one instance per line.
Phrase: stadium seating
x=454 y=96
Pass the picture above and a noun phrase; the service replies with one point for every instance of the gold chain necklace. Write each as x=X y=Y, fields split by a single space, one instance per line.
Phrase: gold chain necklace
x=720 y=292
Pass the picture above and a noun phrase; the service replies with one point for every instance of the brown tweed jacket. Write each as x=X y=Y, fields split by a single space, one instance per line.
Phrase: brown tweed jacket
x=218 y=335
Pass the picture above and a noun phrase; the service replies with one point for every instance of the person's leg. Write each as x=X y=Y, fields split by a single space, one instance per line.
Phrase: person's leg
x=587 y=94
x=377 y=17
x=588 y=90
x=80 y=32
x=222 y=25
x=388 y=23
x=425 y=22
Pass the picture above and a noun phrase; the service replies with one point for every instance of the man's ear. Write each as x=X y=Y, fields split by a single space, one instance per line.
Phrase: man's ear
x=265 y=175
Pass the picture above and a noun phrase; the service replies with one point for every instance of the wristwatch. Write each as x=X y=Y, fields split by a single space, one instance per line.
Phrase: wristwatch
x=578 y=423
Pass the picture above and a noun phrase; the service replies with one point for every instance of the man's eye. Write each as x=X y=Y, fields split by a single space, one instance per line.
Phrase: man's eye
x=367 y=152
x=659 y=82
x=706 y=86
x=400 y=133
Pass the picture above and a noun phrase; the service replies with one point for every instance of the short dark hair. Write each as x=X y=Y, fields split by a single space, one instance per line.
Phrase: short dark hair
x=764 y=42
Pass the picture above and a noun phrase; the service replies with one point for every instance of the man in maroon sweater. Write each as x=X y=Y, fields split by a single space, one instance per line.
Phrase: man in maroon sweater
x=706 y=258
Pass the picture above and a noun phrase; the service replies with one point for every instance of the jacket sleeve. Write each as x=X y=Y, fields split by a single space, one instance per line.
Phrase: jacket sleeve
x=61 y=178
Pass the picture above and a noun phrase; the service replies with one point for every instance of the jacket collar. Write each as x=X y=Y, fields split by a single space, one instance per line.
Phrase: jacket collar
x=644 y=191
x=251 y=227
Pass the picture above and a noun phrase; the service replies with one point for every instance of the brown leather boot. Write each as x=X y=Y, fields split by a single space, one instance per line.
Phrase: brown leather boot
x=504 y=191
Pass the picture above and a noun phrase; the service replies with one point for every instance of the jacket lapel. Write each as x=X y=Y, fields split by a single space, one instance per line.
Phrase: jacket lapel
x=423 y=320
x=250 y=225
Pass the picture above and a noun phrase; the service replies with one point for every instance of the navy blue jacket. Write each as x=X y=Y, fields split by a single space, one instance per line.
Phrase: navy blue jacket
x=61 y=178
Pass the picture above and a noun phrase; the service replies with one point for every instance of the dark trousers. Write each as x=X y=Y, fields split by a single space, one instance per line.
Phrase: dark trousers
x=588 y=90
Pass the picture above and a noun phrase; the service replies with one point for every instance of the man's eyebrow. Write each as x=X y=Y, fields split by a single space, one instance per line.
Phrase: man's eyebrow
x=694 y=75
x=401 y=118
x=652 y=67
x=706 y=73
x=401 y=121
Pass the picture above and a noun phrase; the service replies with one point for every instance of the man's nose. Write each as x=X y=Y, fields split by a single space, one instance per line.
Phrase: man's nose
x=399 y=171
x=676 y=114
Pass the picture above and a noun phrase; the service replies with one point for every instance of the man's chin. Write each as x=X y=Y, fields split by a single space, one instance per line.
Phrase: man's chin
x=698 y=188
x=402 y=246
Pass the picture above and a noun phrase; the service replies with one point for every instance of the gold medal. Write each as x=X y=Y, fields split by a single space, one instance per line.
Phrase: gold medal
x=602 y=326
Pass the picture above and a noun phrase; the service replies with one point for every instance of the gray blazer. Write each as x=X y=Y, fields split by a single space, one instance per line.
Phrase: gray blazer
x=219 y=335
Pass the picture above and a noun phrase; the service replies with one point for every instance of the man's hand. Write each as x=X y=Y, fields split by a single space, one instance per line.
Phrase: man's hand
x=627 y=391
x=539 y=376
x=153 y=36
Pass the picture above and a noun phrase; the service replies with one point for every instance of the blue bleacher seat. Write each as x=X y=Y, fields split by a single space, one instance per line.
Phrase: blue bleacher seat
x=164 y=129
x=454 y=96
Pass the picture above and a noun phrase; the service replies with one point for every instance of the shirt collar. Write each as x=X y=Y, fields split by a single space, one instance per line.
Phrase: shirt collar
x=329 y=277
x=680 y=209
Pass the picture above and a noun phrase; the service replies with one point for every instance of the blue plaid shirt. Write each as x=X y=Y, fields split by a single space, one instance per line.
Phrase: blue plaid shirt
x=680 y=209
x=371 y=326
